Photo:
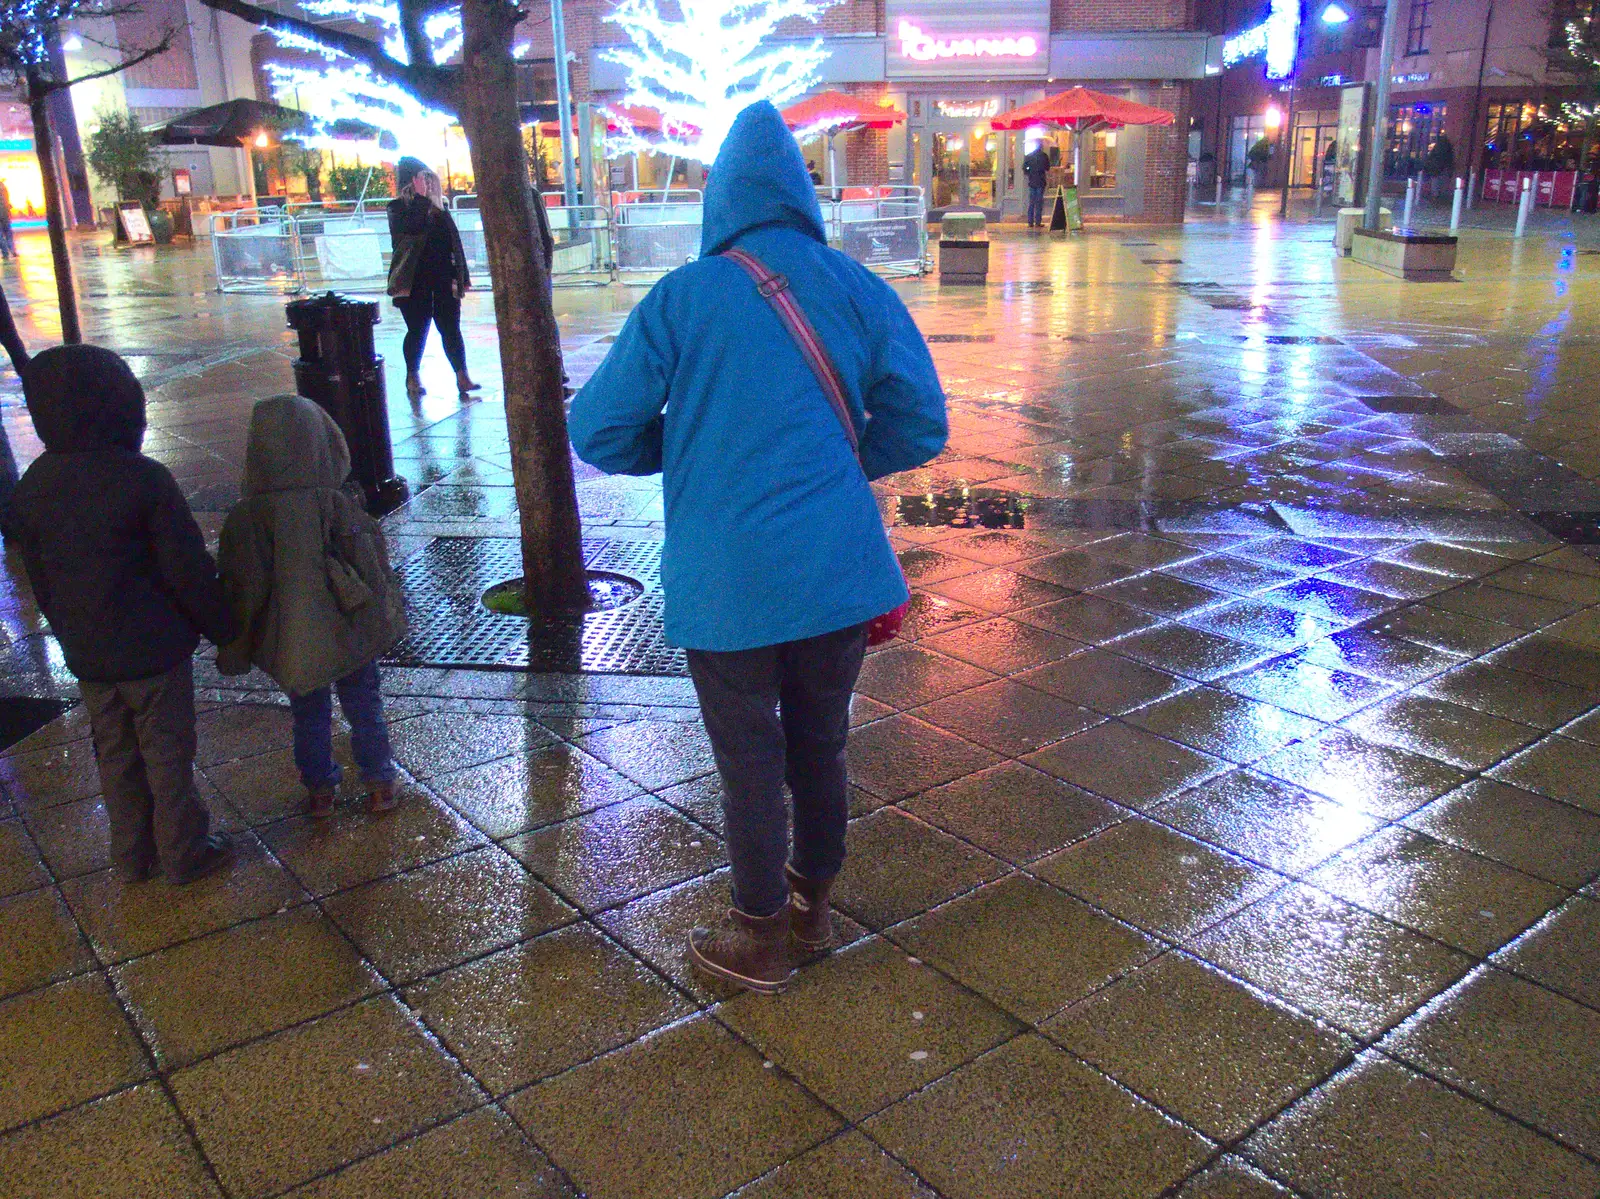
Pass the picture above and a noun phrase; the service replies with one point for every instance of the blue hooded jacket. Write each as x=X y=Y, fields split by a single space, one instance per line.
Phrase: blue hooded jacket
x=773 y=534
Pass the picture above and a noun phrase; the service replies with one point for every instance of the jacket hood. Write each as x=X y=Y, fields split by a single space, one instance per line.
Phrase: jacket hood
x=758 y=179
x=84 y=398
x=294 y=446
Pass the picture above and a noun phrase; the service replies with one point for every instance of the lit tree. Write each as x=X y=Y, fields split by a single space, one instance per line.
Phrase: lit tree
x=1577 y=56
x=352 y=90
x=701 y=67
x=478 y=89
x=30 y=53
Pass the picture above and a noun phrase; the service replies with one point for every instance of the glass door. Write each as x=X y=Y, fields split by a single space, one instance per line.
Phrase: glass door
x=983 y=151
x=949 y=169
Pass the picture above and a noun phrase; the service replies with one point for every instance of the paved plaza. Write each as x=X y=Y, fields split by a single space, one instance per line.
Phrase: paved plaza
x=1226 y=823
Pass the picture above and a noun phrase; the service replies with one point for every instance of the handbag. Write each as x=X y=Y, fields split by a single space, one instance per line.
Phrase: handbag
x=774 y=288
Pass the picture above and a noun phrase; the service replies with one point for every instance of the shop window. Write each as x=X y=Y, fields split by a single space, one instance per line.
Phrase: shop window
x=1413 y=130
x=1419 y=27
x=1103 y=170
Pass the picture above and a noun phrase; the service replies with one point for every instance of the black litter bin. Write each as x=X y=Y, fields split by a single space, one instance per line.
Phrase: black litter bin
x=340 y=371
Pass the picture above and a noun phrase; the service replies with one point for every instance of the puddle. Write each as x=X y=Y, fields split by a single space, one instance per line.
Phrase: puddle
x=960 y=508
x=1575 y=528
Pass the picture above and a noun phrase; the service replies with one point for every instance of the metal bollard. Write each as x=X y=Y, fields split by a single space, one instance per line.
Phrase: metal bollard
x=1472 y=189
x=1523 y=205
x=1411 y=199
x=1455 y=207
x=1219 y=187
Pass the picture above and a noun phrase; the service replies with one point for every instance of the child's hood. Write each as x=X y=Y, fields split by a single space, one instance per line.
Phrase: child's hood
x=84 y=398
x=294 y=446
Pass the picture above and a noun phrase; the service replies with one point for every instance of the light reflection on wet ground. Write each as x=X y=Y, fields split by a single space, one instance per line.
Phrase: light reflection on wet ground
x=1229 y=806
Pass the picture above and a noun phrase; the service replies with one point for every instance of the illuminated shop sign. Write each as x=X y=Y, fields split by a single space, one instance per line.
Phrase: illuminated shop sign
x=917 y=45
x=957 y=39
x=968 y=110
x=1414 y=77
x=1277 y=39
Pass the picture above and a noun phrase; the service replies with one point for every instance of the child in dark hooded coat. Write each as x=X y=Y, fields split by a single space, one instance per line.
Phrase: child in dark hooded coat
x=307 y=572
x=121 y=572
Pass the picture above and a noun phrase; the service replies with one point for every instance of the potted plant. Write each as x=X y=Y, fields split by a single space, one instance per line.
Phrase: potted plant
x=123 y=156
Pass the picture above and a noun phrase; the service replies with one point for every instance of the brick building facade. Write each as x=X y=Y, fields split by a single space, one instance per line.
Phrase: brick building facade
x=1476 y=74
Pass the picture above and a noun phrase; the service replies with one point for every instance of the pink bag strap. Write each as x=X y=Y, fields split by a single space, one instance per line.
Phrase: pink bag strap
x=774 y=288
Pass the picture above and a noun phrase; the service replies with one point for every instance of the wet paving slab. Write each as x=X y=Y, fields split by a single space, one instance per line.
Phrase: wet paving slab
x=1228 y=804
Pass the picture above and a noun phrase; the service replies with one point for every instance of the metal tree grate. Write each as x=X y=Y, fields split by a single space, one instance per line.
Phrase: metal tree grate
x=444 y=585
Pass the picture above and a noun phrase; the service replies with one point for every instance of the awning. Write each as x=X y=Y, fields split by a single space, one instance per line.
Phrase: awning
x=835 y=112
x=1080 y=109
x=230 y=124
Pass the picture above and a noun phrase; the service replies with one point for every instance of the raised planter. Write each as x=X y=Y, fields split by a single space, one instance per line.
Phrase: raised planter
x=1349 y=220
x=963 y=224
x=963 y=261
x=1407 y=254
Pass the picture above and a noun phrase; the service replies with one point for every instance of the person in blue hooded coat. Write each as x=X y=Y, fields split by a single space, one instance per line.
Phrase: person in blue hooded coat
x=776 y=557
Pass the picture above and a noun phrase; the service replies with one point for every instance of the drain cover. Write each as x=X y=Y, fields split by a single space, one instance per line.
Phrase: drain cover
x=21 y=715
x=1575 y=528
x=450 y=626
x=1161 y=261
x=1414 y=405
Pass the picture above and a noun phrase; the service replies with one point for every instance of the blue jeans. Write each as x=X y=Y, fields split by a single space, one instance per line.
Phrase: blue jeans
x=1035 y=206
x=369 y=737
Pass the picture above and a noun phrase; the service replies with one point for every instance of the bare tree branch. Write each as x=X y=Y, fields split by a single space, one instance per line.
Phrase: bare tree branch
x=428 y=82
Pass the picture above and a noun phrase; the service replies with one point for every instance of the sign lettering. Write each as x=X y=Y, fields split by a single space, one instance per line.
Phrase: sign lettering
x=919 y=46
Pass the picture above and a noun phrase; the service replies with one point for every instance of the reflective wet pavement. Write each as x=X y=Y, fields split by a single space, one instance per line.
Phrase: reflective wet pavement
x=1226 y=824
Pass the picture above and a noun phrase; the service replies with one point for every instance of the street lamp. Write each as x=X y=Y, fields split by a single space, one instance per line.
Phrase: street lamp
x=1273 y=116
x=1334 y=15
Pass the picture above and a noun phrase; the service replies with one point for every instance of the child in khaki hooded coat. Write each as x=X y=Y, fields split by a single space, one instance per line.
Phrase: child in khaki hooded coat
x=308 y=575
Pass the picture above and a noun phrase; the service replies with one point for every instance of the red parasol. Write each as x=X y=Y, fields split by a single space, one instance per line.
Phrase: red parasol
x=619 y=116
x=1080 y=109
x=836 y=112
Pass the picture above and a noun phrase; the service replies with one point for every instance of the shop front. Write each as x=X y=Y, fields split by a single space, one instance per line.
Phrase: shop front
x=953 y=67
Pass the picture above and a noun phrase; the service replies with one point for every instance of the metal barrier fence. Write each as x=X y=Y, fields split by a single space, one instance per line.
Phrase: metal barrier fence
x=583 y=241
x=656 y=231
x=256 y=250
x=885 y=228
x=640 y=237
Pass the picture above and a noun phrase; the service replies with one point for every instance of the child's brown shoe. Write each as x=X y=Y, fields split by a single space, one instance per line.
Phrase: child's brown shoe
x=319 y=803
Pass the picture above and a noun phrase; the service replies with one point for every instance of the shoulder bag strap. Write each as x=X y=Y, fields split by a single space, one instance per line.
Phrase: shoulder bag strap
x=774 y=288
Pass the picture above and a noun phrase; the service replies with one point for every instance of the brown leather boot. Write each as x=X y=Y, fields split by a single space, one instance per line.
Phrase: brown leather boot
x=751 y=952
x=810 y=918
x=319 y=803
x=382 y=797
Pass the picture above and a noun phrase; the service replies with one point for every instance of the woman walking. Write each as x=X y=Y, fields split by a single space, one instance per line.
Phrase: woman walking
x=767 y=407
x=428 y=273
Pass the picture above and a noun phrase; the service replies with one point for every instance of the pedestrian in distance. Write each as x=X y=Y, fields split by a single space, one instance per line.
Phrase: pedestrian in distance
x=120 y=570
x=776 y=558
x=307 y=573
x=1036 y=170
x=811 y=170
x=8 y=242
x=428 y=272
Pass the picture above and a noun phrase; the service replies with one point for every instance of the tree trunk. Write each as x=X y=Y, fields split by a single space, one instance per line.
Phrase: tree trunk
x=530 y=341
x=44 y=148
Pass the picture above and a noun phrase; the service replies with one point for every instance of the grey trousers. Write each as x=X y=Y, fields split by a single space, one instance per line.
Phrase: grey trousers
x=780 y=714
x=145 y=742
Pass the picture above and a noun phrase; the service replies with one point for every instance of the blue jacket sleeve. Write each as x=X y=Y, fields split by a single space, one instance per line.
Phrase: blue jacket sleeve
x=906 y=420
x=616 y=422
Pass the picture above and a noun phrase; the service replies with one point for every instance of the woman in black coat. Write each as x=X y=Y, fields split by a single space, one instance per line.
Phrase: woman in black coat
x=428 y=273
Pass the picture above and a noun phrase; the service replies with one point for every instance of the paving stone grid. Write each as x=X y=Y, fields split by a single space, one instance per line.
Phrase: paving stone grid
x=1229 y=828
